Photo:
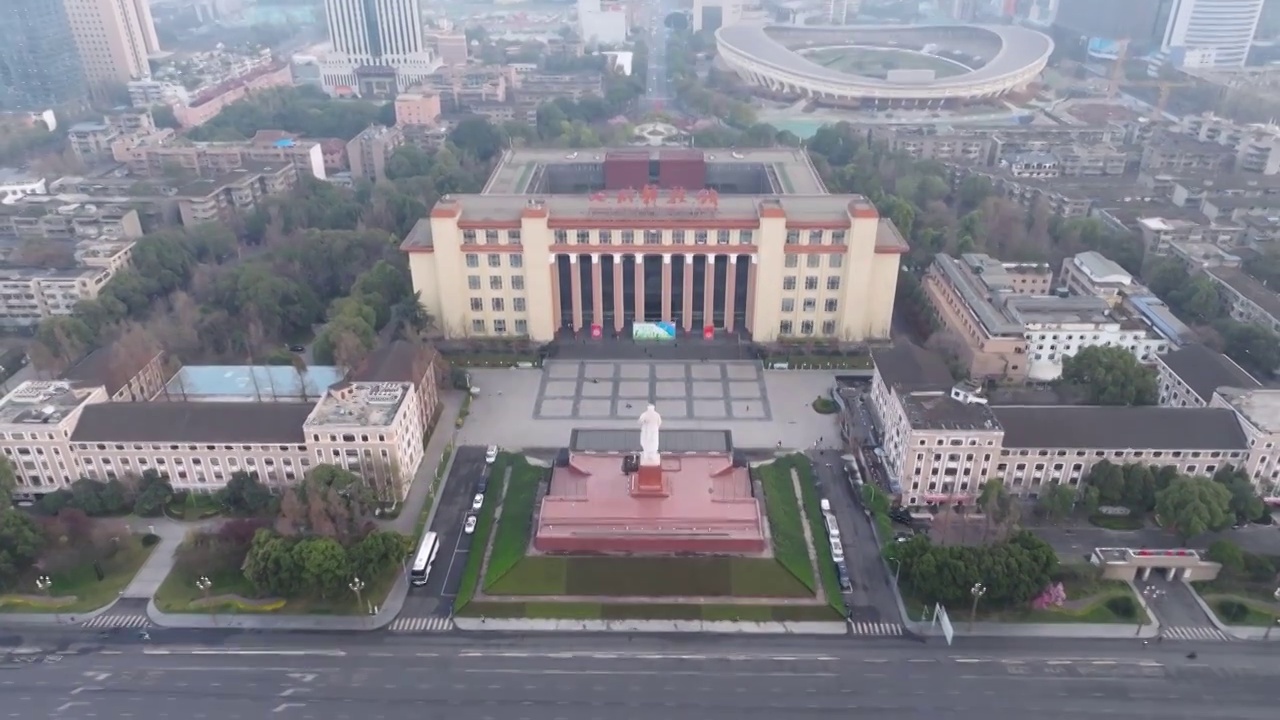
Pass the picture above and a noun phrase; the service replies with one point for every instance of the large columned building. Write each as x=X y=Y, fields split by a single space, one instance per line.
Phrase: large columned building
x=594 y=242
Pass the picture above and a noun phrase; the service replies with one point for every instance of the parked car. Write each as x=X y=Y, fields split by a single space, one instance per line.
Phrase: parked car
x=825 y=504
x=491 y=454
x=477 y=502
x=837 y=550
x=469 y=526
x=842 y=574
x=900 y=516
x=483 y=486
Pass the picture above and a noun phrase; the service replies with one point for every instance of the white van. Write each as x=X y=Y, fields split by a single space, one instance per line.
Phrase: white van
x=833 y=529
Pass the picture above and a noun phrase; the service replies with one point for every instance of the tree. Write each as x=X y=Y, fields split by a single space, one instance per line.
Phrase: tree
x=324 y=564
x=245 y=496
x=998 y=506
x=378 y=552
x=1013 y=571
x=1056 y=502
x=154 y=492
x=1245 y=504
x=8 y=482
x=272 y=566
x=1194 y=505
x=21 y=542
x=1112 y=376
x=1228 y=554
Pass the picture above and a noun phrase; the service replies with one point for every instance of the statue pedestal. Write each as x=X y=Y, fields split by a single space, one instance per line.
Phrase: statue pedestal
x=649 y=482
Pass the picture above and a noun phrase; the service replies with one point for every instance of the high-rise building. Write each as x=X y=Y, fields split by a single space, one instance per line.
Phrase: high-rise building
x=1143 y=23
x=1212 y=33
x=39 y=67
x=378 y=47
x=114 y=38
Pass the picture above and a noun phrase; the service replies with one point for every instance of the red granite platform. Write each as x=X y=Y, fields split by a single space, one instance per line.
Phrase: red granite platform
x=592 y=506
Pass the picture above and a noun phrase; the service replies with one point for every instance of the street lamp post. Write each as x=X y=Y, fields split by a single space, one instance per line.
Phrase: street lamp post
x=357 y=586
x=897 y=570
x=977 y=591
x=1270 y=627
x=204 y=584
x=45 y=584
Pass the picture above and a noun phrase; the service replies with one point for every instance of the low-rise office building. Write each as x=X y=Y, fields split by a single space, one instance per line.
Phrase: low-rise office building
x=1189 y=376
x=53 y=217
x=161 y=154
x=1248 y=299
x=1092 y=274
x=29 y=294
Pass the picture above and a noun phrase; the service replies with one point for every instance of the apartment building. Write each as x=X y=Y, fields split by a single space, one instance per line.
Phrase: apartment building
x=91 y=141
x=1026 y=165
x=419 y=106
x=162 y=154
x=942 y=442
x=928 y=144
x=227 y=195
x=1248 y=299
x=28 y=295
x=1080 y=160
x=114 y=38
x=1172 y=152
x=202 y=106
x=545 y=87
x=51 y=217
x=369 y=151
x=1189 y=376
x=1092 y=274
x=1174 y=236
x=463 y=87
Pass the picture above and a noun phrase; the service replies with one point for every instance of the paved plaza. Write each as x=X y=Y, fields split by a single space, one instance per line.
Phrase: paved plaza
x=679 y=390
x=531 y=408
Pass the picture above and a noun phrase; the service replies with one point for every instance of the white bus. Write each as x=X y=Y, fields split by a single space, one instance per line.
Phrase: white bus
x=426 y=556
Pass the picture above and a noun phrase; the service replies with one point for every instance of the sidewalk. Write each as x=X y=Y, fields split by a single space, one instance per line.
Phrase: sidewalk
x=652 y=626
x=406 y=522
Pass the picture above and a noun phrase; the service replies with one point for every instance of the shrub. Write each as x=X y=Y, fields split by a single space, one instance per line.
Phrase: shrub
x=825 y=406
x=1233 y=611
x=150 y=540
x=1123 y=606
x=1259 y=568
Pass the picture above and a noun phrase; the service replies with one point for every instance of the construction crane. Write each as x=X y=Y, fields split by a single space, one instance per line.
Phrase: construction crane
x=1118 y=79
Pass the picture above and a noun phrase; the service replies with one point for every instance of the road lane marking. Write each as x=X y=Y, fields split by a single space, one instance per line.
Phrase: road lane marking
x=285 y=706
x=664 y=673
x=288 y=653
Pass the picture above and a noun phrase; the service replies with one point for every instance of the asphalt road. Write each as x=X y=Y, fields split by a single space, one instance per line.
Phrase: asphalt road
x=552 y=678
x=656 y=93
x=435 y=599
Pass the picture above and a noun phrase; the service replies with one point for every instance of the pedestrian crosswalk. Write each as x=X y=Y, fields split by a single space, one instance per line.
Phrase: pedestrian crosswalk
x=421 y=624
x=876 y=628
x=1194 y=633
x=118 y=621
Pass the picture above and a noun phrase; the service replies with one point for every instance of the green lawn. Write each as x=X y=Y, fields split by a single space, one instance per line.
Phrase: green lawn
x=648 y=577
x=511 y=538
x=785 y=524
x=179 y=590
x=82 y=583
x=818 y=529
x=193 y=507
x=1087 y=602
x=659 y=611
x=479 y=541
x=1261 y=614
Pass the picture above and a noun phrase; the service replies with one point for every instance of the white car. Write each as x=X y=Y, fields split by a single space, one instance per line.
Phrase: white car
x=470 y=525
x=477 y=502
x=491 y=454
x=825 y=504
x=837 y=550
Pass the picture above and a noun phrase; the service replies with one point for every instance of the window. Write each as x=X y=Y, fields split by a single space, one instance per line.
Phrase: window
x=793 y=237
x=513 y=237
x=562 y=237
x=833 y=282
x=584 y=237
x=628 y=237
x=745 y=237
x=828 y=327
x=517 y=304
x=811 y=282
x=490 y=237
x=517 y=282
x=477 y=326
x=473 y=282
x=469 y=237
x=785 y=328
x=473 y=260
x=517 y=260
x=500 y=327
x=652 y=237
x=788 y=305
x=806 y=327
x=699 y=237
x=722 y=237
x=809 y=305
x=813 y=261
x=606 y=237
x=677 y=237
x=837 y=237
x=791 y=260
x=495 y=282
x=829 y=305
x=836 y=261
x=495 y=260
x=477 y=305
x=497 y=304
x=522 y=327
x=815 y=237
x=789 y=282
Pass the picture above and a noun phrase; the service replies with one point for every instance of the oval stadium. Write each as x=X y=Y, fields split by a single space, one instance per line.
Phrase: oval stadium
x=885 y=66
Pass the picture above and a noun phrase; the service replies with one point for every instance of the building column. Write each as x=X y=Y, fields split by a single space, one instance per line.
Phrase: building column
x=666 y=287
x=597 y=292
x=709 y=292
x=575 y=286
x=751 y=294
x=556 y=319
x=688 y=292
x=639 y=298
x=730 y=289
x=619 y=317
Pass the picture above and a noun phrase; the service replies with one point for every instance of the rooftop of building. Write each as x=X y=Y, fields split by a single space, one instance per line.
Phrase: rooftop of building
x=1100 y=269
x=26 y=274
x=517 y=171
x=257 y=423
x=1120 y=428
x=233 y=383
x=360 y=404
x=909 y=366
x=1248 y=286
x=1215 y=182
x=38 y=402
x=111 y=367
x=939 y=410
x=1205 y=370
x=401 y=361
x=1260 y=406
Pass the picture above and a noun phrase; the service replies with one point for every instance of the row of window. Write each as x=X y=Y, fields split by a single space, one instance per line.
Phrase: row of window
x=495 y=282
x=479 y=327
x=792 y=260
x=787 y=327
x=810 y=282
x=497 y=304
x=494 y=260
x=809 y=305
x=654 y=237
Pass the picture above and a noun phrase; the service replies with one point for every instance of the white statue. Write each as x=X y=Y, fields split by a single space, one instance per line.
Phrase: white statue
x=650 y=421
